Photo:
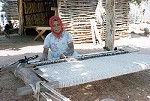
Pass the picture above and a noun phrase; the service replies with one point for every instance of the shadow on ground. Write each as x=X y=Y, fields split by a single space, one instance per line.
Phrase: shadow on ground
x=15 y=42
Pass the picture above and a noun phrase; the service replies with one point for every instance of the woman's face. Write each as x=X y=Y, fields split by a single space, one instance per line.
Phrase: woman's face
x=56 y=27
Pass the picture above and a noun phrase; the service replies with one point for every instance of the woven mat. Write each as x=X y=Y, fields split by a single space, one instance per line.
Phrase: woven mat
x=79 y=72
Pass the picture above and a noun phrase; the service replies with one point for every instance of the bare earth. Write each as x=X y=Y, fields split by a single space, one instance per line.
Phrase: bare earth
x=131 y=87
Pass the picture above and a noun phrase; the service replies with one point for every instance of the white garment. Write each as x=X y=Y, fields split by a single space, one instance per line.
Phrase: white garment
x=58 y=46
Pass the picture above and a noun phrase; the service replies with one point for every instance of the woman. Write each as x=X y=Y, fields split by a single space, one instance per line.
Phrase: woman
x=59 y=41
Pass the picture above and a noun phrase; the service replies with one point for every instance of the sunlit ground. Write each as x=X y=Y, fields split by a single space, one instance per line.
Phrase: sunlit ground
x=39 y=49
x=23 y=50
x=141 y=42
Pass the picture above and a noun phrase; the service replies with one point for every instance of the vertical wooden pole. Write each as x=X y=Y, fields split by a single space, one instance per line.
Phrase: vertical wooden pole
x=58 y=7
x=20 y=10
x=93 y=32
x=110 y=24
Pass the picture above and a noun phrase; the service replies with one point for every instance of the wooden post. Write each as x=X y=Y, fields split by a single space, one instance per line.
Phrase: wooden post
x=58 y=7
x=27 y=76
x=95 y=33
x=20 y=10
x=55 y=9
x=110 y=24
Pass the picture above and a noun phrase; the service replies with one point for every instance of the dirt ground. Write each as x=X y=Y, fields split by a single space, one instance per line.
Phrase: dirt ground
x=131 y=87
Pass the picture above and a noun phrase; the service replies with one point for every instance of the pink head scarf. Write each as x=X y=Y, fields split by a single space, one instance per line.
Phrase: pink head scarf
x=51 y=22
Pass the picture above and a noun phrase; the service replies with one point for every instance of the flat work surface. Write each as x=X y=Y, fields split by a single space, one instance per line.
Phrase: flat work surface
x=80 y=72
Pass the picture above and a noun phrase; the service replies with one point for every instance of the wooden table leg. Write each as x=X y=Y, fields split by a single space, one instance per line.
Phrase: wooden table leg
x=40 y=34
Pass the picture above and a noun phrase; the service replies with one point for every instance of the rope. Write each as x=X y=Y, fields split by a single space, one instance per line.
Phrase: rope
x=55 y=93
x=36 y=90
x=18 y=66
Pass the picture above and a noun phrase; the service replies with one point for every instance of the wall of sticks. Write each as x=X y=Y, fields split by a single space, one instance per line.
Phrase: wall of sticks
x=77 y=16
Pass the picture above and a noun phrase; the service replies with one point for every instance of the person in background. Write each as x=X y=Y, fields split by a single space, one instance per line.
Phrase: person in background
x=59 y=41
x=1 y=26
x=7 y=29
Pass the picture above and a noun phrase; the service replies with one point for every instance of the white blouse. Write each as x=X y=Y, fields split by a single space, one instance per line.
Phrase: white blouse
x=58 y=46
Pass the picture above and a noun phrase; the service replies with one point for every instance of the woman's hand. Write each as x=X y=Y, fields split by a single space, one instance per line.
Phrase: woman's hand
x=44 y=55
x=44 y=58
x=62 y=56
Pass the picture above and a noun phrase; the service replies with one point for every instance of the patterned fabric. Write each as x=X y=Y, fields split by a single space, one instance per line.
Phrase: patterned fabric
x=58 y=45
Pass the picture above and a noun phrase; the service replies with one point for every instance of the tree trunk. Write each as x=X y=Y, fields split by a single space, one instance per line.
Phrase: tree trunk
x=110 y=24
x=20 y=10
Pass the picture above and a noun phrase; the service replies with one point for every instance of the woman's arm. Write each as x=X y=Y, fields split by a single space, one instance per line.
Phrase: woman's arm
x=45 y=54
x=71 y=49
x=68 y=52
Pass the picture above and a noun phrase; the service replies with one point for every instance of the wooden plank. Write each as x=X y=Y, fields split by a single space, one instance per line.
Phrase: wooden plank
x=27 y=76
x=28 y=90
x=42 y=28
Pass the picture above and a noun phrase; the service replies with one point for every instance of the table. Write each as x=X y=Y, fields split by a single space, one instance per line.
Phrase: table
x=40 y=30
